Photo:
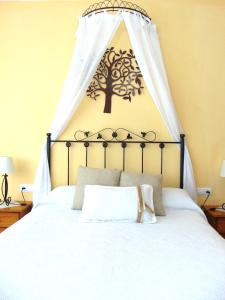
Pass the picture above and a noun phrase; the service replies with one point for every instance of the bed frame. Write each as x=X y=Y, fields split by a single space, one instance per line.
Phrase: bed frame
x=120 y=136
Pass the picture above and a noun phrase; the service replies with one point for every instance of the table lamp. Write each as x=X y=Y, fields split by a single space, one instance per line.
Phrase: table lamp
x=222 y=174
x=6 y=166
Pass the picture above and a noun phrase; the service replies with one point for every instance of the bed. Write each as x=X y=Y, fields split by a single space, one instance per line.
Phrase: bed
x=50 y=254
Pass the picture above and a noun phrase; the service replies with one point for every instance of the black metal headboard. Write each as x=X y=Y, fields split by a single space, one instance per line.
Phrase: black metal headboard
x=120 y=136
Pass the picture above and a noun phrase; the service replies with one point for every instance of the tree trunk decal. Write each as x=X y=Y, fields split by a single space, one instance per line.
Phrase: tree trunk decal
x=117 y=74
x=108 y=103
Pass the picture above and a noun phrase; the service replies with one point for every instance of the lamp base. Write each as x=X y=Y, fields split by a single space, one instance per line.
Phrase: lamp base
x=4 y=189
x=6 y=201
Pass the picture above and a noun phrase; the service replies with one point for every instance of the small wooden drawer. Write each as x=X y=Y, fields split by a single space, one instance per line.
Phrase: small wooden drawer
x=7 y=219
x=11 y=215
x=221 y=225
x=216 y=219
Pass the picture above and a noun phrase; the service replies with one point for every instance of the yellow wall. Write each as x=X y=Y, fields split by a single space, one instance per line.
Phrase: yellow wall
x=36 y=44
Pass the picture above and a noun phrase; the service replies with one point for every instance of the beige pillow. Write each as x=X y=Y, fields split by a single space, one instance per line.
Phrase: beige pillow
x=134 y=179
x=92 y=176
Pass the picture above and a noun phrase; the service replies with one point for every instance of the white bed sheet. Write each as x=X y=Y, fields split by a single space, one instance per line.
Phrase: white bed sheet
x=49 y=255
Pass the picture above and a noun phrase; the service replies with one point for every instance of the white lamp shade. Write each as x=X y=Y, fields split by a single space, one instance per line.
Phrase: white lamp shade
x=6 y=165
x=222 y=170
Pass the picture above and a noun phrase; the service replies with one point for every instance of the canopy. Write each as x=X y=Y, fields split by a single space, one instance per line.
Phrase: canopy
x=94 y=33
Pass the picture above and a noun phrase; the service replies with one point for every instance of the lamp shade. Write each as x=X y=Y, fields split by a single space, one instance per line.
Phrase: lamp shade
x=222 y=170
x=6 y=165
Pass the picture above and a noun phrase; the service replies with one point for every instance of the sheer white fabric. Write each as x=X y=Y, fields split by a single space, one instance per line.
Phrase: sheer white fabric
x=145 y=43
x=93 y=36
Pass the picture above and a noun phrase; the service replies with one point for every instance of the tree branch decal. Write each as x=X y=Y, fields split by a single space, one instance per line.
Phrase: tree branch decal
x=117 y=74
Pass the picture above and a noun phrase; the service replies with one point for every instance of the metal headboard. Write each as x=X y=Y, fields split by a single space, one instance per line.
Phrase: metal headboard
x=120 y=136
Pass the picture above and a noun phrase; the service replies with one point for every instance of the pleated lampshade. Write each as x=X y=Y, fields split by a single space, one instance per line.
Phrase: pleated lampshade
x=222 y=170
x=6 y=165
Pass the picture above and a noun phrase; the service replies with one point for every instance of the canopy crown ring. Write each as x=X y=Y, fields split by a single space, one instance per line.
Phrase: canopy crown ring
x=116 y=5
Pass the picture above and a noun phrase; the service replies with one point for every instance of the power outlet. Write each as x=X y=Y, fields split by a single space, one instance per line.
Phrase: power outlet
x=204 y=191
x=26 y=187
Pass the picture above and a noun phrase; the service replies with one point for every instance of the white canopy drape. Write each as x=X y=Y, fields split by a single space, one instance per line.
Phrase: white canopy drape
x=145 y=43
x=93 y=36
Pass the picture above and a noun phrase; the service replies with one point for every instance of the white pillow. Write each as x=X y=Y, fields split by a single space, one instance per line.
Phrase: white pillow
x=61 y=195
x=116 y=204
x=177 y=198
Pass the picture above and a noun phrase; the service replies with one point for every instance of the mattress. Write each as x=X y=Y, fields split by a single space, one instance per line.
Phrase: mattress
x=49 y=254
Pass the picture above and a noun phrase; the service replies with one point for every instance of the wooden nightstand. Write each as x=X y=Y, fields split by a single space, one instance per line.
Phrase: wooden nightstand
x=9 y=216
x=216 y=218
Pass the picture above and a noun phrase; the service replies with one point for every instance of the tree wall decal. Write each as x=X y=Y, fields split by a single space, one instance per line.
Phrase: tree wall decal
x=117 y=74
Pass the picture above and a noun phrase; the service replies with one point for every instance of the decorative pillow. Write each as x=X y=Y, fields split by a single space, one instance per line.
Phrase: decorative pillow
x=131 y=179
x=93 y=176
x=118 y=204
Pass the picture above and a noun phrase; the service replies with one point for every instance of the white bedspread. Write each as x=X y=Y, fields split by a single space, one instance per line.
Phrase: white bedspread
x=49 y=255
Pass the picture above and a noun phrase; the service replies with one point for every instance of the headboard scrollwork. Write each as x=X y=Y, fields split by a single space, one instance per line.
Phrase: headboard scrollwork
x=120 y=136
